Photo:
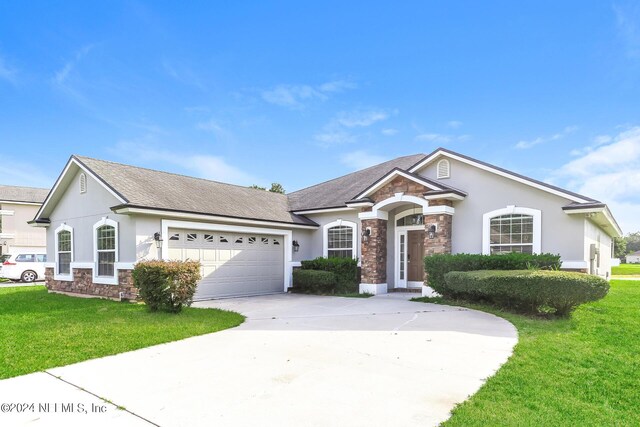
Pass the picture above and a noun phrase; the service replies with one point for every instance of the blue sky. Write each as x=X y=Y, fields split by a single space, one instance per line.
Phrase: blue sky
x=301 y=92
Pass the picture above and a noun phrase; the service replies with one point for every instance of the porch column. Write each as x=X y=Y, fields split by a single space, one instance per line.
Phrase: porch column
x=374 y=257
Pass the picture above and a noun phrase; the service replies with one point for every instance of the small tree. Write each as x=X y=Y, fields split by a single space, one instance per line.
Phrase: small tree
x=166 y=285
x=277 y=188
x=257 y=187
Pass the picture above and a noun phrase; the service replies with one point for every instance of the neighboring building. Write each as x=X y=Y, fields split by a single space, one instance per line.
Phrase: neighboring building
x=633 y=258
x=102 y=217
x=18 y=206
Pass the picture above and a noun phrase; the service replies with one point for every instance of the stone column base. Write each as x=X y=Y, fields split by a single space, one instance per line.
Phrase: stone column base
x=373 y=288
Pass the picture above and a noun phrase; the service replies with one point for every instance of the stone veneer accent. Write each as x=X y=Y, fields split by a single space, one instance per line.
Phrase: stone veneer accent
x=83 y=284
x=442 y=242
x=374 y=252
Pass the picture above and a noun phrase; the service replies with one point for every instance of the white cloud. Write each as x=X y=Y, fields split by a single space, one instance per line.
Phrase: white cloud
x=294 y=96
x=434 y=137
x=6 y=72
x=216 y=168
x=523 y=145
x=361 y=159
x=337 y=86
x=628 y=26
x=609 y=173
x=62 y=75
x=454 y=124
x=389 y=131
x=329 y=137
x=597 y=141
x=361 y=118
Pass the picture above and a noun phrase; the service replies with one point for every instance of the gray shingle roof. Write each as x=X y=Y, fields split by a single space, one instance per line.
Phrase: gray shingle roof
x=336 y=192
x=9 y=193
x=147 y=188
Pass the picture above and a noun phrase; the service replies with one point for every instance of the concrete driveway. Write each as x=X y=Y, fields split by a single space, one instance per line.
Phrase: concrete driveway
x=297 y=361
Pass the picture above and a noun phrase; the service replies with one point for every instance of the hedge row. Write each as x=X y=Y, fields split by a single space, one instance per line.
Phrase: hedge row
x=528 y=291
x=436 y=266
x=166 y=285
x=326 y=276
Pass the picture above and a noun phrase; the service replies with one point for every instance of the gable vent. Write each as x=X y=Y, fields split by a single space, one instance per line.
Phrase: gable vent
x=444 y=169
x=83 y=183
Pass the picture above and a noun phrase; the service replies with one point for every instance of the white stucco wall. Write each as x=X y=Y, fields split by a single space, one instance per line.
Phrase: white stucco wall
x=594 y=235
x=16 y=233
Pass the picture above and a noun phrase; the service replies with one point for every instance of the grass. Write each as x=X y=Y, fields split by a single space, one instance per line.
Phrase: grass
x=626 y=270
x=40 y=330
x=354 y=295
x=582 y=370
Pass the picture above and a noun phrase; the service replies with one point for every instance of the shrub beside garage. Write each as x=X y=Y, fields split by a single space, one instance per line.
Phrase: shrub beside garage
x=529 y=291
x=166 y=285
x=326 y=276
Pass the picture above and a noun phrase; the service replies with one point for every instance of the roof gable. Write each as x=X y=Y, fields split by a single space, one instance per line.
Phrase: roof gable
x=396 y=172
x=442 y=152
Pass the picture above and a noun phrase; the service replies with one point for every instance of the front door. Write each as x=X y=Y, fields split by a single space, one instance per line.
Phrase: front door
x=415 y=255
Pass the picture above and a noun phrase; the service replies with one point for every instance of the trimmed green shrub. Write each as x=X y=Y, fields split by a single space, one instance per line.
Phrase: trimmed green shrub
x=314 y=281
x=437 y=266
x=530 y=291
x=344 y=269
x=166 y=285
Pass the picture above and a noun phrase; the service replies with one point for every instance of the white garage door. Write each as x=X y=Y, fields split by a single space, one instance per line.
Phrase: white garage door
x=233 y=264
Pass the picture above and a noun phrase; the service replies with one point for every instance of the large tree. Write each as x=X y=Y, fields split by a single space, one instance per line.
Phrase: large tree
x=619 y=247
x=633 y=242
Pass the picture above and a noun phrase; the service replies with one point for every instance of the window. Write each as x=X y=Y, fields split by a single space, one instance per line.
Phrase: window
x=340 y=242
x=26 y=258
x=191 y=237
x=264 y=240
x=41 y=258
x=105 y=245
x=252 y=240
x=83 y=183
x=208 y=238
x=223 y=239
x=106 y=238
x=276 y=242
x=64 y=252
x=513 y=229
x=175 y=236
x=417 y=219
x=239 y=240
x=512 y=233
x=444 y=169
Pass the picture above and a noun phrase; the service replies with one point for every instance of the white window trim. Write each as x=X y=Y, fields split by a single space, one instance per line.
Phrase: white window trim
x=56 y=274
x=511 y=209
x=337 y=223
x=448 y=174
x=105 y=280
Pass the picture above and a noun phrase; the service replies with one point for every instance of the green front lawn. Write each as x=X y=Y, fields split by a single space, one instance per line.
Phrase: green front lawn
x=626 y=270
x=584 y=370
x=40 y=330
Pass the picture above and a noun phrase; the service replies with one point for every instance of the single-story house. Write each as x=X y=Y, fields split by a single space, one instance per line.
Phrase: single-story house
x=633 y=258
x=18 y=205
x=103 y=217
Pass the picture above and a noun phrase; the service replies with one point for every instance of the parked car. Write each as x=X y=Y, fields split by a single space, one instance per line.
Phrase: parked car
x=27 y=267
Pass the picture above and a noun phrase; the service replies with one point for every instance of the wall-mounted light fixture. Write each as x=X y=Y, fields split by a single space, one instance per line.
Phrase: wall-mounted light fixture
x=432 y=231
x=157 y=237
x=296 y=246
x=366 y=233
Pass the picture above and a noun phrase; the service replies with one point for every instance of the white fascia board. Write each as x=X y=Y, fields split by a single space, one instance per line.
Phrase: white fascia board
x=438 y=210
x=360 y=204
x=317 y=211
x=497 y=172
x=56 y=186
x=392 y=175
x=12 y=202
x=444 y=196
x=374 y=215
x=203 y=217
